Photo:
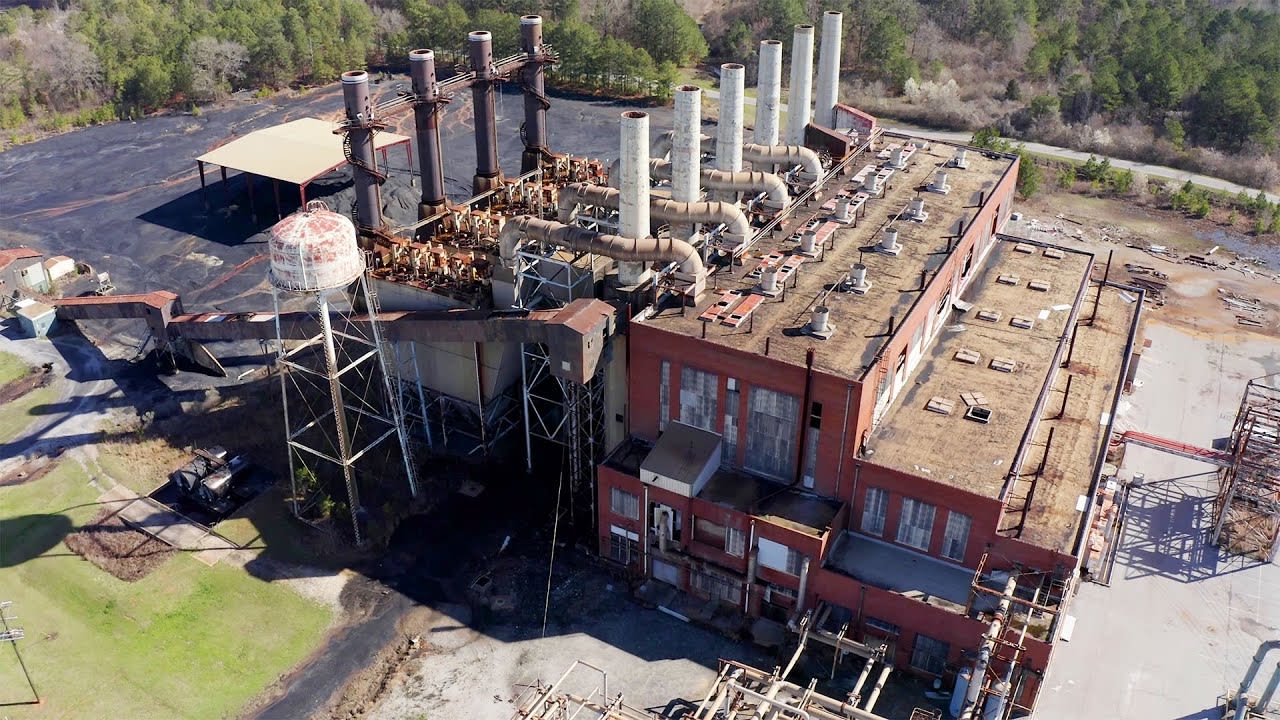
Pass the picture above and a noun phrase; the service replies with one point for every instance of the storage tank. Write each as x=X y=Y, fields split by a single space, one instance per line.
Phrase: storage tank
x=962 y=687
x=314 y=250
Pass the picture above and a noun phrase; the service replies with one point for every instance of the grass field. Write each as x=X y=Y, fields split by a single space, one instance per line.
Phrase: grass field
x=187 y=641
x=17 y=415
x=11 y=367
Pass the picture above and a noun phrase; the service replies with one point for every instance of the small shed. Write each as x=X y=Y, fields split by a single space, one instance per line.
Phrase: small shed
x=16 y=264
x=36 y=318
x=59 y=266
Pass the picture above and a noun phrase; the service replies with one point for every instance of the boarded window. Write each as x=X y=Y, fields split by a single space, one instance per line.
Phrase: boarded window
x=929 y=654
x=698 y=391
x=624 y=504
x=708 y=533
x=771 y=432
x=811 y=444
x=735 y=542
x=732 y=399
x=915 y=527
x=664 y=396
x=873 y=511
x=956 y=536
x=713 y=585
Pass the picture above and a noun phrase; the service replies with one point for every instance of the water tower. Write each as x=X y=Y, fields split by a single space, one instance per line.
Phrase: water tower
x=340 y=408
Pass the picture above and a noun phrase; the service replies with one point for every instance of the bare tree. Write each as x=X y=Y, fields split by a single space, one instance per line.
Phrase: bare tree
x=62 y=70
x=391 y=32
x=215 y=66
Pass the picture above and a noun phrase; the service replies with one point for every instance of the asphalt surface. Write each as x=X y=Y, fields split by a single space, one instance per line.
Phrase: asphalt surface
x=1155 y=171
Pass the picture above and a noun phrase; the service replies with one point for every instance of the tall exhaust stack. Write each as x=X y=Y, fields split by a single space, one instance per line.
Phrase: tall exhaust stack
x=729 y=127
x=535 y=97
x=426 y=120
x=488 y=174
x=828 y=93
x=686 y=152
x=633 y=191
x=801 y=84
x=768 y=92
x=364 y=164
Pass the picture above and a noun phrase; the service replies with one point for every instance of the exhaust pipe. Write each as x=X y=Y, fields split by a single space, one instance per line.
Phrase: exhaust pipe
x=488 y=174
x=535 y=97
x=364 y=164
x=768 y=92
x=801 y=84
x=422 y=70
x=729 y=126
x=824 y=111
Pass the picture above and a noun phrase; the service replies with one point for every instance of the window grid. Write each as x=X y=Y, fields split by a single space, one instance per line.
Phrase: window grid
x=624 y=504
x=735 y=542
x=698 y=395
x=664 y=396
x=929 y=654
x=732 y=398
x=915 y=527
x=873 y=512
x=771 y=432
x=956 y=536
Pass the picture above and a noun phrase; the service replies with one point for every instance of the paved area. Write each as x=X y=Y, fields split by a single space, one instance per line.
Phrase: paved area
x=1181 y=621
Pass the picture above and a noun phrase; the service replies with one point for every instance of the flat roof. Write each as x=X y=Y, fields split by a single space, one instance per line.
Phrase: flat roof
x=898 y=569
x=861 y=322
x=961 y=369
x=775 y=502
x=8 y=256
x=298 y=151
x=681 y=452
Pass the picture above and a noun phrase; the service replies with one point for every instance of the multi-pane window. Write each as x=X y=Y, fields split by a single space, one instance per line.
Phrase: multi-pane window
x=811 y=444
x=795 y=562
x=915 y=526
x=624 y=546
x=732 y=397
x=874 y=510
x=624 y=504
x=735 y=542
x=956 y=536
x=698 y=391
x=929 y=654
x=664 y=395
x=776 y=556
x=771 y=432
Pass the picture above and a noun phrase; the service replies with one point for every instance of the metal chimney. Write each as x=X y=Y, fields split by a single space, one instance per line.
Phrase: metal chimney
x=633 y=197
x=801 y=84
x=729 y=127
x=426 y=120
x=535 y=97
x=488 y=174
x=686 y=144
x=827 y=95
x=359 y=140
x=768 y=92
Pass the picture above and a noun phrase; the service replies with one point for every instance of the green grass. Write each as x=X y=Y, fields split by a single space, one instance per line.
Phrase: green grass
x=17 y=415
x=11 y=368
x=187 y=641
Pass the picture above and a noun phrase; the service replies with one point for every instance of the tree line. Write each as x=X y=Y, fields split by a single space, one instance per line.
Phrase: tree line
x=83 y=61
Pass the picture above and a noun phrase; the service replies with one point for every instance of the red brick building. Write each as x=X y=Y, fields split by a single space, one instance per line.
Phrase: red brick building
x=885 y=420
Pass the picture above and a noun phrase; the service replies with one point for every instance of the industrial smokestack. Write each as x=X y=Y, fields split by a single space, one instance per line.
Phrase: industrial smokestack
x=686 y=144
x=827 y=95
x=768 y=92
x=488 y=174
x=633 y=200
x=535 y=98
x=422 y=70
x=729 y=127
x=801 y=84
x=364 y=165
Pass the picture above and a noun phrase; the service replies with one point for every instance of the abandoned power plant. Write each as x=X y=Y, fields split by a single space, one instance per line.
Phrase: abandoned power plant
x=787 y=374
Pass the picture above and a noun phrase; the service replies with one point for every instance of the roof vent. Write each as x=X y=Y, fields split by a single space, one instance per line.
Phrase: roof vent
x=916 y=211
x=872 y=184
x=769 y=281
x=1003 y=364
x=1023 y=248
x=1024 y=323
x=819 y=325
x=809 y=243
x=967 y=356
x=842 y=214
x=960 y=160
x=889 y=241
x=939 y=184
x=940 y=405
x=897 y=160
x=1039 y=285
x=989 y=315
x=858 y=282
x=978 y=413
x=1053 y=253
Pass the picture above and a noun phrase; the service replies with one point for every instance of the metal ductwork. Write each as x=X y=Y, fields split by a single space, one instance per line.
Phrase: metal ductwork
x=358 y=148
x=641 y=250
x=784 y=155
x=535 y=97
x=768 y=92
x=751 y=182
x=426 y=119
x=488 y=173
x=665 y=141
x=828 y=91
x=801 y=84
x=729 y=125
x=661 y=210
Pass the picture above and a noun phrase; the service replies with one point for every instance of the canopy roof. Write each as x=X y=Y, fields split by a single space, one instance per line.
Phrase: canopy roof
x=298 y=151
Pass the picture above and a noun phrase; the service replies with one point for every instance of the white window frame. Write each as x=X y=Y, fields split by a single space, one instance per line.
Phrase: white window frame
x=620 y=500
x=873 y=524
x=915 y=524
x=735 y=541
x=955 y=538
x=698 y=407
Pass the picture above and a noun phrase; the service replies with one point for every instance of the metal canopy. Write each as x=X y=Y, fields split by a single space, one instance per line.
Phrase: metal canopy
x=297 y=152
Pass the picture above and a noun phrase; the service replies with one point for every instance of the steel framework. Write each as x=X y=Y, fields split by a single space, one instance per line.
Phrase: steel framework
x=1247 y=507
x=341 y=399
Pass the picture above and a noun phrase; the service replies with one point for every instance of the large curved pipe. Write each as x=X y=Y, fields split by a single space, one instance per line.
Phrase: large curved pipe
x=785 y=155
x=753 y=182
x=661 y=210
x=646 y=249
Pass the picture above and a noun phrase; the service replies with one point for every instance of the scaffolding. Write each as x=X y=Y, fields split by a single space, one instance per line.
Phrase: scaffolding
x=1247 y=508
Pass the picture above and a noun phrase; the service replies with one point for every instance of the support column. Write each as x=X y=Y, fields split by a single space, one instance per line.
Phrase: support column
x=535 y=97
x=801 y=84
x=358 y=147
x=768 y=92
x=828 y=92
x=426 y=119
x=488 y=175
x=633 y=196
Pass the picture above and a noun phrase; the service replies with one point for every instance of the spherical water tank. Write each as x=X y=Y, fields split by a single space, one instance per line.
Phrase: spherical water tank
x=313 y=250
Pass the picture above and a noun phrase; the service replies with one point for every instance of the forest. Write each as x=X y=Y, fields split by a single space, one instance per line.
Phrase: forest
x=1185 y=82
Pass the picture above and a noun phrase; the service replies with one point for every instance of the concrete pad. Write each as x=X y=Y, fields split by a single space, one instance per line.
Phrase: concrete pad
x=162 y=523
x=117 y=497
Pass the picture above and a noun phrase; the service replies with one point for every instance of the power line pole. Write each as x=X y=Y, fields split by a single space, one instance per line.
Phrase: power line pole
x=12 y=635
